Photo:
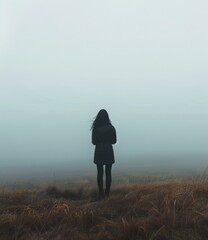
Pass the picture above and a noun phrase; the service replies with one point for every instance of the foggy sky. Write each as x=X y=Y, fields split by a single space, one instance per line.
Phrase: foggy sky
x=145 y=62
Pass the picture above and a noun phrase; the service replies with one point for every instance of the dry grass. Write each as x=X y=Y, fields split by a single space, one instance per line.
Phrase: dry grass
x=138 y=211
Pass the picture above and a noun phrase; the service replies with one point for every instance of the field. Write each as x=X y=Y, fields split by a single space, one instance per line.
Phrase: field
x=157 y=209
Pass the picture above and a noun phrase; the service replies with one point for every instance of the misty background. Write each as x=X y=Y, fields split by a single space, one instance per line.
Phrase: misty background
x=145 y=62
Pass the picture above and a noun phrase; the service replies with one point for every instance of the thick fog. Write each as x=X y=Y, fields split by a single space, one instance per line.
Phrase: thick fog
x=145 y=62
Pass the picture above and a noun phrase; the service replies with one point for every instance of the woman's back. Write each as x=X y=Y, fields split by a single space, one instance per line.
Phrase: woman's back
x=104 y=134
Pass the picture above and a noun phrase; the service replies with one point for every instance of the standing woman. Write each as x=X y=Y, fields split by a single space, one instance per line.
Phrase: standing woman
x=103 y=136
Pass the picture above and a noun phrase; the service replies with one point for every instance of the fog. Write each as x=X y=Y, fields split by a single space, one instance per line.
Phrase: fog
x=145 y=62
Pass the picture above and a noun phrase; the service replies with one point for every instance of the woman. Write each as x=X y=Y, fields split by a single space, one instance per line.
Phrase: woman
x=103 y=136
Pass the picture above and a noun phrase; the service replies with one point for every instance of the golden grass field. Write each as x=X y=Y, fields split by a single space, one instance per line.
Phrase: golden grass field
x=154 y=211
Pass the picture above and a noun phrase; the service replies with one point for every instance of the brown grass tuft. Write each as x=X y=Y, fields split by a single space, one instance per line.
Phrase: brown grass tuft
x=162 y=211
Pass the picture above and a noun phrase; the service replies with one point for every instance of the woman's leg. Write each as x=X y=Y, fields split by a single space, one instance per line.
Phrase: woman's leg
x=100 y=179
x=108 y=178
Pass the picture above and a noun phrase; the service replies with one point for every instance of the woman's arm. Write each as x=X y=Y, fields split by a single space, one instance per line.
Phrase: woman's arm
x=94 y=138
x=114 y=137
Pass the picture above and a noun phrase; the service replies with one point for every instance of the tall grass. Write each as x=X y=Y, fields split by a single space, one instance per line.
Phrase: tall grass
x=162 y=211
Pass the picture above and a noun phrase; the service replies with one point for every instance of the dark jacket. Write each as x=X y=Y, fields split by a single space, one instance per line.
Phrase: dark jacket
x=103 y=137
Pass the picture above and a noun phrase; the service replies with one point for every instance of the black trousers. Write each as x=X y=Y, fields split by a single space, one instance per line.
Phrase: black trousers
x=100 y=178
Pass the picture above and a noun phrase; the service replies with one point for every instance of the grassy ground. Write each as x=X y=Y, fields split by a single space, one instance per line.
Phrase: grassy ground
x=153 y=211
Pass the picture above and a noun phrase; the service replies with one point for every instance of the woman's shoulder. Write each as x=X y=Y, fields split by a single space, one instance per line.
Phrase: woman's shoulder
x=110 y=126
x=113 y=127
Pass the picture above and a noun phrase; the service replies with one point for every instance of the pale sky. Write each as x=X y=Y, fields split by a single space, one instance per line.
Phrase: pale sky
x=144 y=61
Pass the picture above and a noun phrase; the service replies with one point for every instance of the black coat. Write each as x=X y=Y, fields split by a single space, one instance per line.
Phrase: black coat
x=103 y=137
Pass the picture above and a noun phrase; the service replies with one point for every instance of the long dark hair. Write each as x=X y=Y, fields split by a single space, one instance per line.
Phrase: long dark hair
x=101 y=119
